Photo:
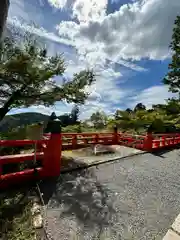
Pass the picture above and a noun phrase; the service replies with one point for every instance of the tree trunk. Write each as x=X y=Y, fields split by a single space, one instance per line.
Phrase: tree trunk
x=7 y=106
x=15 y=96
x=4 y=6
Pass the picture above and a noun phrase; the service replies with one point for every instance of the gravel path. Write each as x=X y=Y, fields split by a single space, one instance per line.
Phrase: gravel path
x=133 y=198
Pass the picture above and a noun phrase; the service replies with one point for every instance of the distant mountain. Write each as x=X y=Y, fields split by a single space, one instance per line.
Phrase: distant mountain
x=22 y=119
x=19 y=120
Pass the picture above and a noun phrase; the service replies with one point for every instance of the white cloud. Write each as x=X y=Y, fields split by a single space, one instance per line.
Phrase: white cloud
x=58 y=3
x=35 y=30
x=17 y=8
x=59 y=110
x=84 y=11
x=138 y=30
x=104 y=93
x=89 y=10
x=26 y=11
x=131 y=66
x=150 y=96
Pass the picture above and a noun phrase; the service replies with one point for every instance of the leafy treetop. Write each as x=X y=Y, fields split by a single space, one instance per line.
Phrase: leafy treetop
x=139 y=106
x=27 y=76
x=99 y=119
x=173 y=77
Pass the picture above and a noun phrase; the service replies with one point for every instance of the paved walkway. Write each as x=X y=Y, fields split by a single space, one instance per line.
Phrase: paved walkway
x=134 y=198
x=84 y=157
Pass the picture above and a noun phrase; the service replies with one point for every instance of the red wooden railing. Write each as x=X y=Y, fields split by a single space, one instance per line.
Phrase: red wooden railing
x=49 y=155
x=149 y=142
x=50 y=150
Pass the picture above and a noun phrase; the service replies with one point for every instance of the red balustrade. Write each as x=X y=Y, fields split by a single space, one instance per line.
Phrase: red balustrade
x=49 y=150
x=145 y=142
x=49 y=155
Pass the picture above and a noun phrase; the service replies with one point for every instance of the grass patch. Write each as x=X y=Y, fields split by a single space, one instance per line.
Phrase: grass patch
x=15 y=216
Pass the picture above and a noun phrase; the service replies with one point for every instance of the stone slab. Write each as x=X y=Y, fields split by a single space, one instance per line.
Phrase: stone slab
x=135 y=198
x=171 y=235
x=76 y=161
x=176 y=224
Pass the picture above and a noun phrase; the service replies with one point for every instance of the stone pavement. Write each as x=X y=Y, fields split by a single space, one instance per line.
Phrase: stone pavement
x=78 y=159
x=133 y=198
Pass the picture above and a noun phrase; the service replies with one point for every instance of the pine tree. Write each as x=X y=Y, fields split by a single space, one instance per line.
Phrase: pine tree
x=4 y=6
x=27 y=77
x=74 y=114
x=139 y=107
x=173 y=77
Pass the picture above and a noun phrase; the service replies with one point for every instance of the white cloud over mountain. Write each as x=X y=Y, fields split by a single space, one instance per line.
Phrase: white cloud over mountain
x=84 y=11
x=136 y=31
x=150 y=96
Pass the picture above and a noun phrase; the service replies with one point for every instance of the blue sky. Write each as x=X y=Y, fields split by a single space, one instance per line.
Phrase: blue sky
x=126 y=43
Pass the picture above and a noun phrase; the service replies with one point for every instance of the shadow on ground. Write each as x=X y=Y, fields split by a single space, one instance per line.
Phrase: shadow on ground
x=79 y=201
x=78 y=195
x=162 y=152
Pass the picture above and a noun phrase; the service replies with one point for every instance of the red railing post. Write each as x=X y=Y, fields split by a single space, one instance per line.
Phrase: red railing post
x=96 y=139
x=175 y=139
x=148 y=142
x=74 y=141
x=115 y=136
x=163 y=141
x=52 y=154
x=168 y=141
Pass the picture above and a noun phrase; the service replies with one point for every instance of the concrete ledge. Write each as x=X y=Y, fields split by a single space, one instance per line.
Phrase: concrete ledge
x=176 y=224
x=96 y=163
x=174 y=232
x=171 y=235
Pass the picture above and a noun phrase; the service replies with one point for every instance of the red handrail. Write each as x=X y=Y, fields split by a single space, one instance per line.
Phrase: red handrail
x=51 y=147
x=14 y=143
x=50 y=158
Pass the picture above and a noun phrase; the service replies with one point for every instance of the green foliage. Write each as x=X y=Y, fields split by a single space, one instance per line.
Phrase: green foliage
x=15 y=216
x=173 y=77
x=20 y=120
x=111 y=123
x=173 y=107
x=99 y=119
x=128 y=110
x=65 y=119
x=74 y=114
x=27 y=76
x=18 y=133
x=139 y=107
x=72 y=129
x=79 y=128
x=162 y=118
x=12 y=123
x=158 y=125
x=70 y=119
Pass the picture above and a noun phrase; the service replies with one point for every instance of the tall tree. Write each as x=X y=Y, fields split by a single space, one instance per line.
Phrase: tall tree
x=99 y=119
x=173 y=77
x=172 y=107
x=65 y=120
x=27 y=77
x=139 y=107
x=117 y=114
x=4 y=5
x=74 y=114
x=128 y=110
